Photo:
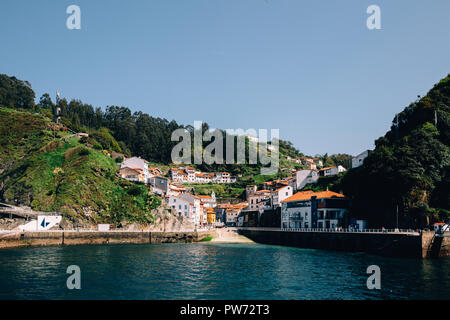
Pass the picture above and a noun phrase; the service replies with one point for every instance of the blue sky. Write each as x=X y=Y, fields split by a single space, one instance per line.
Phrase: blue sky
x=310 y=68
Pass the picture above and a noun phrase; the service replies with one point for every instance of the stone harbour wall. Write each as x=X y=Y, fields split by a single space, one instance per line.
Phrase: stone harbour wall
x=425 y=245
x=26 y=239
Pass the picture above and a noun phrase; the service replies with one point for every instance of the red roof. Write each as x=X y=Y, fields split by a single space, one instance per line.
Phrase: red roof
x=307 y=195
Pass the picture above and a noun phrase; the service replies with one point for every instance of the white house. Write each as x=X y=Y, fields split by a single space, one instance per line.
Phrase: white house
x=189 y=175
x=139 y=164
x=256 y=199
x=281 y=194
x=186 y=208
x=359 y=159
x=331 y=171
x=304 y=177
x=318 y=210
x=208 y=201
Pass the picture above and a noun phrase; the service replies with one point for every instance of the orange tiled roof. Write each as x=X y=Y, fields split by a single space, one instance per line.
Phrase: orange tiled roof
x=327 y=168
x=133 y=169
x=281 y=188
x=306 y=195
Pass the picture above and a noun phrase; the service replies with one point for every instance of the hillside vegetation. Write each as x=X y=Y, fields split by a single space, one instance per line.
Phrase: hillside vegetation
x=409 y=167
x=49 y=170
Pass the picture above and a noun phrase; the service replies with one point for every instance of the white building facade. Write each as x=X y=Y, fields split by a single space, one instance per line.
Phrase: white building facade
x=305 y=177
x=281 y=194
x=359 y=159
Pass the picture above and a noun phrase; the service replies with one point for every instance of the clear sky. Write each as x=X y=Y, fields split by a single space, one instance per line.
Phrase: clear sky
x=310 y=68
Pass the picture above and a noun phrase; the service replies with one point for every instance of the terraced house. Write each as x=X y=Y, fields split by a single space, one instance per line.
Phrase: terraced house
x=316 y=210
x=189 y=175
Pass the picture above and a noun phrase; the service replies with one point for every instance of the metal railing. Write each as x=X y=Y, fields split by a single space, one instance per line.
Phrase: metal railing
x=335 y=230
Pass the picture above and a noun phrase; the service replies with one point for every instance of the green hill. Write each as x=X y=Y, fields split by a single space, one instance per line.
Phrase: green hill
x=50 y=170
x=409 y=167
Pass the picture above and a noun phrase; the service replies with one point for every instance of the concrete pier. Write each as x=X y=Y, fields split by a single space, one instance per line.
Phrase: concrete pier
x=48 y=238
x=406 y=245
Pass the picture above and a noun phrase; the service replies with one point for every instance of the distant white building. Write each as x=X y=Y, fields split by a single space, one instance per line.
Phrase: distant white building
x=359 y=159
x=281 y=194
x=187 y=206
x=136 y=164
x=160 y=185
x=189 y=175
x=208 y=201
x=304 y=177
x=258 y=199
x=318 y=210
x=331 y=171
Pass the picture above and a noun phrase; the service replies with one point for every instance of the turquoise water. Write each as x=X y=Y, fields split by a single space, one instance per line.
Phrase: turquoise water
x=214 y=271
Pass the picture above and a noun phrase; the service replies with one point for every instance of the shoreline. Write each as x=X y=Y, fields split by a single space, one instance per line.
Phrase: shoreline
x=229 y=236
x=62 y=237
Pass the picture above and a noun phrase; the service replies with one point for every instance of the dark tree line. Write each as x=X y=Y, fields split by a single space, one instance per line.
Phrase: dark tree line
x=15 y=93
x=409 y=168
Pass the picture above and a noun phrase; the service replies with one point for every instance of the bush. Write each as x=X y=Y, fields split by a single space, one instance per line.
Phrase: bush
x=135 y=190
x=84 y=152
x=106 y=140
x=98 y=146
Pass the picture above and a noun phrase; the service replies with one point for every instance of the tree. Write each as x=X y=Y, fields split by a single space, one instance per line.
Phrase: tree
x=46 y=102
x=15 y=93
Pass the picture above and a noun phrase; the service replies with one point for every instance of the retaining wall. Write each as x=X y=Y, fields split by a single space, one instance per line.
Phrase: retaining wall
x=386 y=244
x=24 y=239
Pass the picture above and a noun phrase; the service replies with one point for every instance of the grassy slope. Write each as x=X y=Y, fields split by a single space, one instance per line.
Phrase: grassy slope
x=59 y=175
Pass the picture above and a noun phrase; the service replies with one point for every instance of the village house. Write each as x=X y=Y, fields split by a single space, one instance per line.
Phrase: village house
x=308 y=163
x=135 y=163
x=258 y=199
x=220 y=211
x=211 y=216
x=331 y=171
x=305 y=177
x=232 y=213
x=188 y=206
x=160 y=185
x=184 y=208
x=318 y=162
x=189 y=175
x=208 y=201
x=281 y=194
x=296 y=160
x=132 y=174
x=276 y=184
x=250 y=189
x=316 y=210
x=359 y=159
x=175 y=190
